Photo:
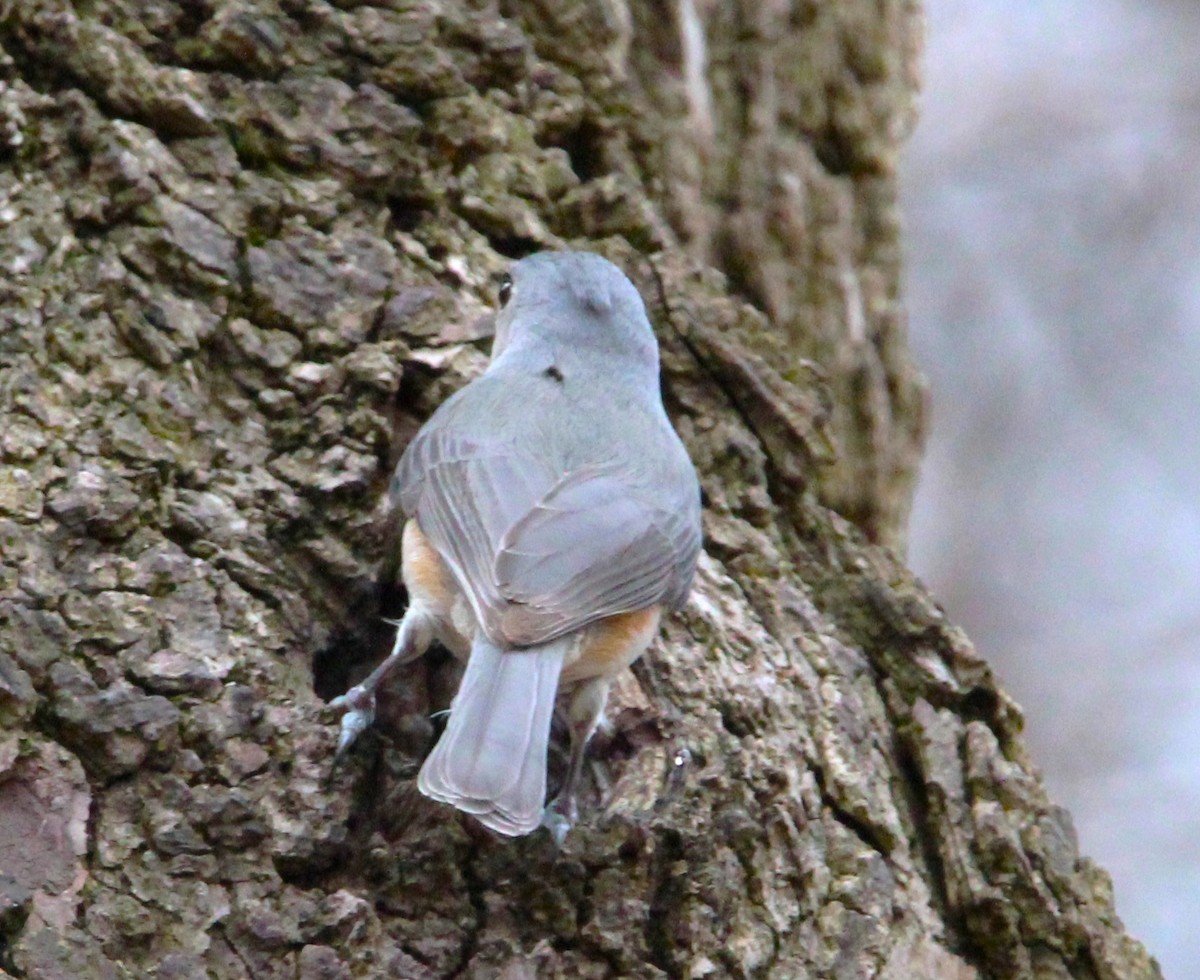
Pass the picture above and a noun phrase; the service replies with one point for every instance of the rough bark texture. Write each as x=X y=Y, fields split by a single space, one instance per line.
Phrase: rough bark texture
x=246 y=248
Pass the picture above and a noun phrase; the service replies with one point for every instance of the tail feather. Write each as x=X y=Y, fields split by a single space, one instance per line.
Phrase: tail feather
x=491 y=760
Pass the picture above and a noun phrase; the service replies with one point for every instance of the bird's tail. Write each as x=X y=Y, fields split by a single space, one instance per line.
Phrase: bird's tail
x=491 y=760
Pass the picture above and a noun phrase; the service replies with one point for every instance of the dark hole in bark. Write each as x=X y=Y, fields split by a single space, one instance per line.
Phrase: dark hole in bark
x=585 y=149
x=515 y=247
x=360 y=641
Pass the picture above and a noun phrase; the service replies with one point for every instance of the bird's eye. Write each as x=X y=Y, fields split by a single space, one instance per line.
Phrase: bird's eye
x=506 y=288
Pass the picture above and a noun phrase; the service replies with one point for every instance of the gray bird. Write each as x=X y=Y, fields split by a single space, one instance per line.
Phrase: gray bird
x=553 y=516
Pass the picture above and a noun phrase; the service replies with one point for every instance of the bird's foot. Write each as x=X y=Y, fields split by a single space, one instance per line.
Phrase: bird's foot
x=559 y=817
x=359 y=705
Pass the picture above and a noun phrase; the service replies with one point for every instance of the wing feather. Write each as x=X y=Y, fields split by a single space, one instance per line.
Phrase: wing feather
x=541 y=554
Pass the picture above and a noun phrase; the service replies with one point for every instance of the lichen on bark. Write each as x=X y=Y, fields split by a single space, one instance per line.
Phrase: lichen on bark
x=247 y=247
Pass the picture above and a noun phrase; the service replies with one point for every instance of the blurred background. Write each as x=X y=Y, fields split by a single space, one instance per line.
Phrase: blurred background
x=1052 y=195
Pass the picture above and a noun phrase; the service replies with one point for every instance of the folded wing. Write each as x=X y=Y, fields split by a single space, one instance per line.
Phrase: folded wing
x=541 y=554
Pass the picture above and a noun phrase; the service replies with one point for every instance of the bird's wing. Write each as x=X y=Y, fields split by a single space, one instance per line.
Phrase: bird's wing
x=591 y=547
x=540 y=556
x=464 y=494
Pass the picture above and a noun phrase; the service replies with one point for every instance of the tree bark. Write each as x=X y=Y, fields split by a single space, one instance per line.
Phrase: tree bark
x=247 y=248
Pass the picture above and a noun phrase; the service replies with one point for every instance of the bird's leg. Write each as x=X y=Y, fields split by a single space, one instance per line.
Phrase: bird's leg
x=413 y=636
x=583 y=715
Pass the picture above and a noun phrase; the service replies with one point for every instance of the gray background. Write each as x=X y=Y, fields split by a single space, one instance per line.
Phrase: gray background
x=1052 y=194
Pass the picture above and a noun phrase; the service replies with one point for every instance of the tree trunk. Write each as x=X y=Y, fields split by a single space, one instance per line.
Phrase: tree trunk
x=246 y=249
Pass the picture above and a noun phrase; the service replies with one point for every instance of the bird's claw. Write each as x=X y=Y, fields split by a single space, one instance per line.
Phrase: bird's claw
x=558 y=818
x=359 y=706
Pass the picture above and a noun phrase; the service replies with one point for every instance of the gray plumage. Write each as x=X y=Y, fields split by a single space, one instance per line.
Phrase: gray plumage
x=557 y=492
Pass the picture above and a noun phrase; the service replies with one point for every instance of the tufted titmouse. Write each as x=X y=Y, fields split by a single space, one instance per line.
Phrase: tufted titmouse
x=553 y=515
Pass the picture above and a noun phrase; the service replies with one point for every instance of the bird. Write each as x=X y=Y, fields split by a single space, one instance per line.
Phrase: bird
x=553 y=517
